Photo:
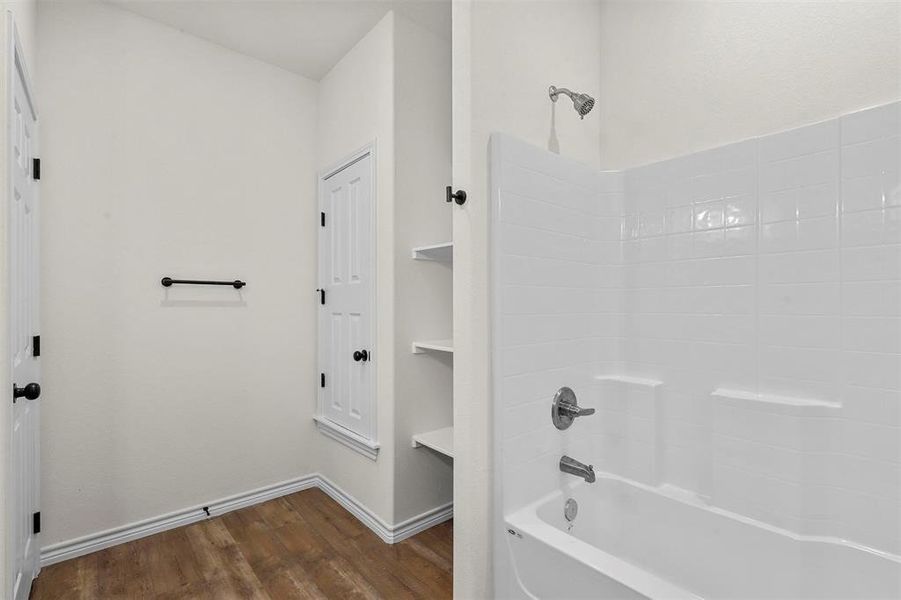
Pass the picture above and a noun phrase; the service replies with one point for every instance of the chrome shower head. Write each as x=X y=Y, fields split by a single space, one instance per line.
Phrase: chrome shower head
x=583 y=103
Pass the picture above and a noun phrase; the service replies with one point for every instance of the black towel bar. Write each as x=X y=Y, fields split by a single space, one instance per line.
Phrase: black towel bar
x=168 y=281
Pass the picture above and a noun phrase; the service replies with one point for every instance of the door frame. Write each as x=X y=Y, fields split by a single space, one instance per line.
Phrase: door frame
x=368 y=447
x=15 y=63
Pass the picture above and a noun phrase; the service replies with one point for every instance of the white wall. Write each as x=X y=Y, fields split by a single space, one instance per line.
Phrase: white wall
x=682 y=76
x=394 y=87
x=738 y=335
x=170 y=156
x=671 y=77
x=423 y=291
x=23 y=12
x=505 y=56
x=761 y=283
x=557 y=310
x=356 y=100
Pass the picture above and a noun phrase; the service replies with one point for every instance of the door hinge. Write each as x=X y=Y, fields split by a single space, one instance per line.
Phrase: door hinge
x=36 y=346
x=322 y=380
x=322 y=219
x=36 y=523
x=321 y=295
x=36 y=168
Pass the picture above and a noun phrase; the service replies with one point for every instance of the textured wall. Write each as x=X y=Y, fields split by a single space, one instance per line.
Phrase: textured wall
x=678 y=77
x=168 y=155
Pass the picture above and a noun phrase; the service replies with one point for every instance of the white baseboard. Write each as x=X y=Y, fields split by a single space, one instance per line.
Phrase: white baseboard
x=389 y=534
x=133 y=531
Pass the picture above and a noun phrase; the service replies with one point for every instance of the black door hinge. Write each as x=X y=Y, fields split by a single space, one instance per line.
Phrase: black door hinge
x=321 y=296
x=322 y=380
x=36 y=346
x=36 y=168
x=36 y=523
x=322 y=219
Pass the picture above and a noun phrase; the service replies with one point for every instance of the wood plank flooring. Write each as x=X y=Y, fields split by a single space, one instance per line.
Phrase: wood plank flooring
x=300 y=546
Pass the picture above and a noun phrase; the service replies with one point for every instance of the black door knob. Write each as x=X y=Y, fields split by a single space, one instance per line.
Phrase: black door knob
x=30 y=392
x=361 y=355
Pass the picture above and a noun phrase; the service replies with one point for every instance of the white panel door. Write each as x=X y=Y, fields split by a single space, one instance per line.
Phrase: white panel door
x=346 y=272
x=23 y=304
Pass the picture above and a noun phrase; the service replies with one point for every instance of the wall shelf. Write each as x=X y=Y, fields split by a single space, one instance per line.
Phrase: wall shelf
x=433 y=346
x=436 y=252
x=440 y=440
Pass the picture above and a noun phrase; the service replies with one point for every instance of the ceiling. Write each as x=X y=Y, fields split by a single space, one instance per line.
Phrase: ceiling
x=307 y=37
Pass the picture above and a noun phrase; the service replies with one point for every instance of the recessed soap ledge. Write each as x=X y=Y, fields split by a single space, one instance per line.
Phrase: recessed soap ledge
x=773 y=399
x=629 y=379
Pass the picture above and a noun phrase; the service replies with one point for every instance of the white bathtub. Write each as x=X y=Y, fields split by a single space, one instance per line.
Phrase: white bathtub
x=633 y=541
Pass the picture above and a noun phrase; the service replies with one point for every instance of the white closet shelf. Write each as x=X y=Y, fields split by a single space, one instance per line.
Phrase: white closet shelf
x=433 y=346
x=437 y=252
x=440 y=440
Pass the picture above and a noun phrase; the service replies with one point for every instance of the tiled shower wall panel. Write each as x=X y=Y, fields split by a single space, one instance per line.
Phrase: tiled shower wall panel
x=762 y=287
x=558 y=268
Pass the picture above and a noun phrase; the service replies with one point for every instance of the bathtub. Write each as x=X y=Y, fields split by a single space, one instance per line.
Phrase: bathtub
x=630 y=541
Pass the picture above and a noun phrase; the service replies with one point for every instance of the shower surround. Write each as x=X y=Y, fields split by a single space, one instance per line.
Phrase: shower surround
x=734 y=316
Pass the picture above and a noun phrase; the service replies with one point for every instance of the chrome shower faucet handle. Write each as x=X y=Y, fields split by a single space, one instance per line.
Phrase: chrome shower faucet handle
x=565 y=408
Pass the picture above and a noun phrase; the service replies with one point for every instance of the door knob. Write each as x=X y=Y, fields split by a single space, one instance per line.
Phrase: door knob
x=361 y=355
x=30 y=392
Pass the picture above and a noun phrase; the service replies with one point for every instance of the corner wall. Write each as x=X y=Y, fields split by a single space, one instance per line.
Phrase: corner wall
x=393 y=87
x=423 y=291
x=356 y=100
x=505 y=56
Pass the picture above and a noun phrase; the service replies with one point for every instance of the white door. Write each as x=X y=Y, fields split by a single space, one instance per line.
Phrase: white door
x=346 y=272
x=23 y=305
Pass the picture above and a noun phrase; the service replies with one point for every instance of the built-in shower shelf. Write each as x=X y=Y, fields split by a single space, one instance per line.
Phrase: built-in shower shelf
x=436 y=252
x=775 y=401
x=440 y=440
x=433 y=346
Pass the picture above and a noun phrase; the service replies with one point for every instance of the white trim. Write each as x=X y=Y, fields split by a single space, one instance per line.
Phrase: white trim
x=389 y=534
x=354 y=441
x=133 y=531
x=371 y=150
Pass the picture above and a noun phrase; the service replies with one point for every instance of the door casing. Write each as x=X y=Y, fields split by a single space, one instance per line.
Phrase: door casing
x=367 y=445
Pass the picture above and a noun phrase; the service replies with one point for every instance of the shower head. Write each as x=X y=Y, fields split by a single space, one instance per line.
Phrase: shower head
x=583 y=103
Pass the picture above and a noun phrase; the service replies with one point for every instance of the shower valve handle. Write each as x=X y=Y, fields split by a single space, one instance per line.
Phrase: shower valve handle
x=565 y=408
x=575 y=411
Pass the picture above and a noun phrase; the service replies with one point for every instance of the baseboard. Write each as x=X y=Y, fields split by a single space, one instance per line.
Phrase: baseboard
x=389 y=534
x=133 y=531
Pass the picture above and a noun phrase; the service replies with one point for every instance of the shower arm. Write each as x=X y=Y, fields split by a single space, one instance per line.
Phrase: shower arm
x=554 y=91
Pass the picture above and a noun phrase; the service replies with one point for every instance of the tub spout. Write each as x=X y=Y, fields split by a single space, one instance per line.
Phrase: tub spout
x=574 y=467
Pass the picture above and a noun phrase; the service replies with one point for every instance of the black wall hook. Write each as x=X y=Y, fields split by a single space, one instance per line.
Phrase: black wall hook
x=459 y=196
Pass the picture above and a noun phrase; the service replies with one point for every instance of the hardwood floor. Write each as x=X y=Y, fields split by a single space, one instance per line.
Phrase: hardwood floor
x=300 y=546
